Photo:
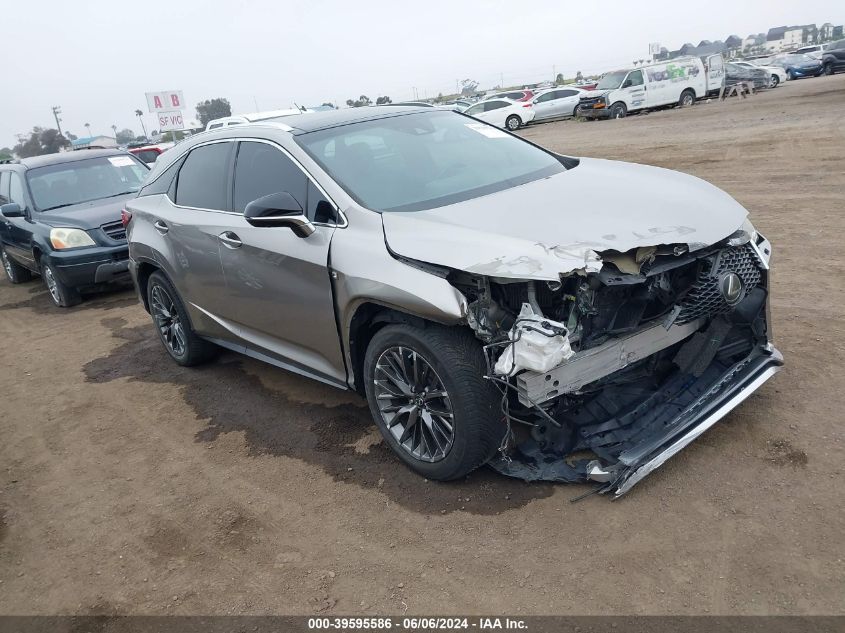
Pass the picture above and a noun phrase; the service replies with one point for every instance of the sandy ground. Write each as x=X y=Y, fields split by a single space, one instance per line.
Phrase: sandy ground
x=129 y=485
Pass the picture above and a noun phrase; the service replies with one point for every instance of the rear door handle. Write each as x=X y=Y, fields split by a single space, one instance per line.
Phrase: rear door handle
x=230 y=240
x=161 y=227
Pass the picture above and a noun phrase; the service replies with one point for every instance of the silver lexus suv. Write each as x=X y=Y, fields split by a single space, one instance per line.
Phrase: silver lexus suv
x=557 y=318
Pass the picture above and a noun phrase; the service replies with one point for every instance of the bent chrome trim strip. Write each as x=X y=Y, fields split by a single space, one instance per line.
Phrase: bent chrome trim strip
x=675 y=447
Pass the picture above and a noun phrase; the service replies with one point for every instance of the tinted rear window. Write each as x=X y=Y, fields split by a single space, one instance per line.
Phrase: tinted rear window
x=202 y=181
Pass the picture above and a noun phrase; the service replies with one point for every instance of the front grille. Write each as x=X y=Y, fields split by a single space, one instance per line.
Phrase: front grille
x=705 y=298
x=115 y=230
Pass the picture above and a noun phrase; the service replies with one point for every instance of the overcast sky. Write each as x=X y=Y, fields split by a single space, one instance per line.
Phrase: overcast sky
x=97 y=58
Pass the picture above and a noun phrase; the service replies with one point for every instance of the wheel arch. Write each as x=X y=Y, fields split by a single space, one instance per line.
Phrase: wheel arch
x=368 y=318
x=143 y=272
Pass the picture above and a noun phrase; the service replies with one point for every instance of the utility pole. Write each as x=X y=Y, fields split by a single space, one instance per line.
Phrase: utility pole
x=501 y=80
x=57 y=110
x=554 y=74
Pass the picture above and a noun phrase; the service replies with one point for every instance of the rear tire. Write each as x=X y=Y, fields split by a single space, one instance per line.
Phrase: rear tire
x=827 y=69
x=15 y=273
x=792 y=75
x=173 y=325
x=513 y=123
x=618 y=110
x=687 y=99
x=403 y=367
x=62 y=295
x=775 y=80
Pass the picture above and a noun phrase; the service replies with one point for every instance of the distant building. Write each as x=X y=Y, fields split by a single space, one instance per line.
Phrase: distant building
x=788 y=38
x=825 y=32
x=93 y=142
x=754 y=43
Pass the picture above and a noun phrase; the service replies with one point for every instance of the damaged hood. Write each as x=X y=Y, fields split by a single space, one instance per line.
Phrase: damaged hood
x=557 y=225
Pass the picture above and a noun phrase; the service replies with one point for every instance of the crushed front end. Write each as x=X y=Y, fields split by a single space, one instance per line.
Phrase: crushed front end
x=605 y=375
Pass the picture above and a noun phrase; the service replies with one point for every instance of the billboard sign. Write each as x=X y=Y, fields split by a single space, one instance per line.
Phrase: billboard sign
x=169 y=120
x=165 y=100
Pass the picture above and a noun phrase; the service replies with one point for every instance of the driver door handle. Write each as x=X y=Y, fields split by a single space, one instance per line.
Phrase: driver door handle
x=161 y=227
x=230 y=240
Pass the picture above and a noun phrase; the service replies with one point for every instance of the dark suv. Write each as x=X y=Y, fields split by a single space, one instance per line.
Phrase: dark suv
x=60 y=218
x=833 y=59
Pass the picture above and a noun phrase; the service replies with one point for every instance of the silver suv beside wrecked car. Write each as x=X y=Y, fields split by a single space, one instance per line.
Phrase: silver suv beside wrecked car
x=439 y=266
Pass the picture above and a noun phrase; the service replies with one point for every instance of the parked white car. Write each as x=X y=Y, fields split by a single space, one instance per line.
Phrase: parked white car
x=777 y=75
x=503 y=113
x=556 y=103
x=816 y=50
x=240 y=119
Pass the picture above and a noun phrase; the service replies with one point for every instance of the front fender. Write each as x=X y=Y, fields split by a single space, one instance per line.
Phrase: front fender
x=364 y=271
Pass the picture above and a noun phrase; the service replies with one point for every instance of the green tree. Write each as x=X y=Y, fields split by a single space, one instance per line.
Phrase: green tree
x=168 y=137
x=5 y=153
x=363 y=100
x=383 y=100
x=40 y=142
x=329 y=104
x=124 y=136
x=213 y=109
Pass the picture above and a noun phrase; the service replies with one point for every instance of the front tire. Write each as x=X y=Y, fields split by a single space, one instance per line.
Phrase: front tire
x=62 y=295
x=513 y=123
x=827 y=69
x=173 y=325
x=15 y=273
x=428 y=395
x=618 y=110
x=774 y=81
x=792 y=76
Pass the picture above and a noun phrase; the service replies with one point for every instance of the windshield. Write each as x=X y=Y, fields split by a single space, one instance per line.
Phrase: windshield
x=611 y=81
x=79 y=181
x=425 y=160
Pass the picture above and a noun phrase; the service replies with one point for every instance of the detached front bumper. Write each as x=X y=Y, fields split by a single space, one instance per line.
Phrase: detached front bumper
x=739 y=382
x=593 y=113
x=79 y=268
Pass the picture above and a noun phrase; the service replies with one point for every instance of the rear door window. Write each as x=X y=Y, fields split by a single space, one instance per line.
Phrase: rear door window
x=262 y=169
x=16 y=191
x=203 y=179
x=4 y=186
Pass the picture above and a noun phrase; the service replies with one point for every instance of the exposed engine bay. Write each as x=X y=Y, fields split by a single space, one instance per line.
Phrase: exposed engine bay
x=604 y=375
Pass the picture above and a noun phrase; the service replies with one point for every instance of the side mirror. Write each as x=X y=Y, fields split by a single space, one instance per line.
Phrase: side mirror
x=627 y=83
x=12 y=210
x=279 y=209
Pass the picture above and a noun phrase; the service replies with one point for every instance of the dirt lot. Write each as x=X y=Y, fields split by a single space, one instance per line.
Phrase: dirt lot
x=129 y=485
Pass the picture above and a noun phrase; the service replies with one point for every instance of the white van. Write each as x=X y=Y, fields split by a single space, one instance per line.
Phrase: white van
x=675 y=82
x=240 y=119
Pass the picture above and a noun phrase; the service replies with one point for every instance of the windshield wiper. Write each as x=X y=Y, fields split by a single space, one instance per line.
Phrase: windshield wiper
x=122 y=193
x=59 y=206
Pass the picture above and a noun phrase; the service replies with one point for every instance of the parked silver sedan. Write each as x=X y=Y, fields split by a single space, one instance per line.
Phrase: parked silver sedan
x=556 y=103
x=436 y=265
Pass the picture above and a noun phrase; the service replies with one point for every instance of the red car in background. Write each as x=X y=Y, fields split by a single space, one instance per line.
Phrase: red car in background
x=149 y=153
x=513 y=95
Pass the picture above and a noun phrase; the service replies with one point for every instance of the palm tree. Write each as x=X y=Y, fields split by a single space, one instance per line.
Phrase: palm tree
x=139 y=114
x=88 y=127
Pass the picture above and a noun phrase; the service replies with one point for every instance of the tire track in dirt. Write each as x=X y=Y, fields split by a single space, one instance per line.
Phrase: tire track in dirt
x=337 y=439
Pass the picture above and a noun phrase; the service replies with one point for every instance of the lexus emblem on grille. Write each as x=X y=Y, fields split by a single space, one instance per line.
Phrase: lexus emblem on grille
x=731 y=288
